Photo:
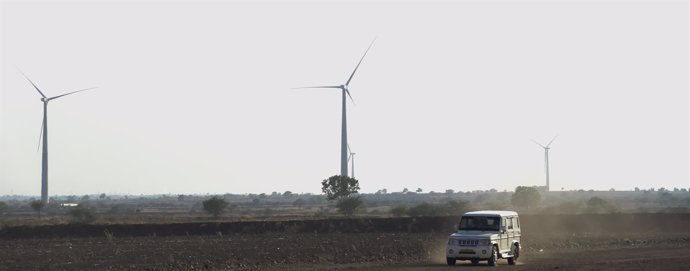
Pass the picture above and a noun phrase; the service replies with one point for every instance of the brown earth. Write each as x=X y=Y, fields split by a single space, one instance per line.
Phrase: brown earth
x=601 y=242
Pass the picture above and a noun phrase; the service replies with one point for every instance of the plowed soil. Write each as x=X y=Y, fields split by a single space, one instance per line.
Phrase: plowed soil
x=549 y=246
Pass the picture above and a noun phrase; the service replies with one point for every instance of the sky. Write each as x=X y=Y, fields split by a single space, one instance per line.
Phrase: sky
x=196 y=97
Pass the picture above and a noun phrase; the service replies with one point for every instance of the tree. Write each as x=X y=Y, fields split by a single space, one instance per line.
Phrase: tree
x=450 y=191
x=337 y=186
x=405 y=190
x=180 y=197
x=215 y=206
x=85 y=197
x=287 y=193
x=525 y=197
x=419 y=190
x=341 y=188
x=101 y=196
x=37 y=205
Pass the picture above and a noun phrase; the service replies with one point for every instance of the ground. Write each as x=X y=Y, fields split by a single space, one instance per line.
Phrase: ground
x=553 y=248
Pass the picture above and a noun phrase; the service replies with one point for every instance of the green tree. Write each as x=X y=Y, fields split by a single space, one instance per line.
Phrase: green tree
x=341 y=188
x=525 y=197
x=337 y=186
x=37 y=206
x=215 y=206
x=101 y=196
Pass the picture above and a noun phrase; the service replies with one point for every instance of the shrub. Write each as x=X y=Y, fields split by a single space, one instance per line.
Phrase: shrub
x=215 y=206
x=82 y=214
x=37 y=205
x=348 y=205
x=3 y=207
x=399 y=211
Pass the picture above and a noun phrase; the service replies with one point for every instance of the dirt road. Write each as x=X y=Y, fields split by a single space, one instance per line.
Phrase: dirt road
x=650 y=258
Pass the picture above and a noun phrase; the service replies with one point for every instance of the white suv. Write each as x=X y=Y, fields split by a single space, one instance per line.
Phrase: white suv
x=485 y=236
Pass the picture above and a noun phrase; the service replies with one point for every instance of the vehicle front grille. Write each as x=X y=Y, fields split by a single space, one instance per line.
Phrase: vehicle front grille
x=468 y=242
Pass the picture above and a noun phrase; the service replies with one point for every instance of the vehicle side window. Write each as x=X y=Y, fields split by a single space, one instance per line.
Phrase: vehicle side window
x=516 y=222
x=509 y=223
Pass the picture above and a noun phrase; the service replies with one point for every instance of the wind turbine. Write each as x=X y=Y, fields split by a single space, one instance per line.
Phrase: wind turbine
x=345 y=90
x=351 y=156
x=44 y=134
x=546 y=159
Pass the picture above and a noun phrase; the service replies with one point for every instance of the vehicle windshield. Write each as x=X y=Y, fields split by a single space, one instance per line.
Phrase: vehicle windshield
x=480 y=223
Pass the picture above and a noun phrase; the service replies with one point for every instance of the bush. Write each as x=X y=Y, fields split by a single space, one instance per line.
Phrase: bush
x=597 y=205
x=82 y=214
x=215 y=206
x=399 y=211
x=3 y=207
x=526 y=197
x=37 y=206
x=451 y=208
x=348 y=205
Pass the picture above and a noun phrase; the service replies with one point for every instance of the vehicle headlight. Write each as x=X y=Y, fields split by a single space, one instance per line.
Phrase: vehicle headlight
x=453 y=242
x=484 y=242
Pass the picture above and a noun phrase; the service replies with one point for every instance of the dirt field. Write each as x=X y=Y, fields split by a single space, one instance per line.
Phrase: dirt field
x=550 y=246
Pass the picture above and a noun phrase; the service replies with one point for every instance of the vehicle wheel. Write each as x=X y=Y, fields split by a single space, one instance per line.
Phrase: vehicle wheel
x=516 y=255
x=474 y=262
x=450 y=261
x=494 y=257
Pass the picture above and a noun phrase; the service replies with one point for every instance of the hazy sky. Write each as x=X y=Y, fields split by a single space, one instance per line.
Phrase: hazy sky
x=196 y=97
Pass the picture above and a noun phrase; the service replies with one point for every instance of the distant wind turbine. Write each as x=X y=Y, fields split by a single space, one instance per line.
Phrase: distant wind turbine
x=351 y=156
x=44 y=135
x=345 y=90
x=546 y=159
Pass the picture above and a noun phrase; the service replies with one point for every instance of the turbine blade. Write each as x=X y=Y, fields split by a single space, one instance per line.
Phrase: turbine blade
x=535 y=142
x=360 y=62
x=348 y=149
x=554 y=138
x=32 y=83
x=348 y=95
x=70 y=93
x=40 y=135
x=319 y=87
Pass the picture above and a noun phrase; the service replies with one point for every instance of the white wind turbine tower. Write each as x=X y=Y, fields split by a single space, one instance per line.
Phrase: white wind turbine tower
x=345 y=90
x=44 y=134
x=351 y=156
x=546 y=160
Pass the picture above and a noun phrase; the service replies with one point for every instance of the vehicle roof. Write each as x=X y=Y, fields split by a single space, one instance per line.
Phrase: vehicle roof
x=492 y=213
